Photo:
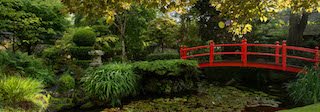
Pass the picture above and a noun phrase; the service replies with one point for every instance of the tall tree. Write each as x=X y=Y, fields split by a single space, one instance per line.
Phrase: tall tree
x=32 y=21
x=162 y=31
x=115 y=11
x=297 y=24
x=208 y=19
x=242 y=13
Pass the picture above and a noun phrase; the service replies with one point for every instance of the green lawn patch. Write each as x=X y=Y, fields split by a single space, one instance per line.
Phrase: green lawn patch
x=309 y=108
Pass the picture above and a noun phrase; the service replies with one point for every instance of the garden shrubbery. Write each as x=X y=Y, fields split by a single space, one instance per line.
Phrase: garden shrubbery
x=26 y=66
x=306 y=89
x=167 y=76
x=111 y=82
x=22 y=93
x=162 y=56
x=84 y=39
x=66 y=82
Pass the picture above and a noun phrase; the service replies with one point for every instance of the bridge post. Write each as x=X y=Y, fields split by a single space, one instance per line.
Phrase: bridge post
x=277 y=51
x=183 y=52
x=316 y=56
x=244 y=52
x=211 y=44
x=284 y=55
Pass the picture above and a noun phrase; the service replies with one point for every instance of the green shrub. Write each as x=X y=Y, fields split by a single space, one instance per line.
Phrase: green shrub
x=162 y=56
x=24 y=93
x=167 y=76
x=26 y=66
x=83 y=63
x=111 y=82
x=81 y=53
x=66 y=82
x=306 y=89
x=175 y=67
x=84 y=37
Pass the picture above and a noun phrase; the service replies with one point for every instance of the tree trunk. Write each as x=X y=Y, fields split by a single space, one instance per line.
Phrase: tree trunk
x=297 y=25
x=122 y=21
x=123 y=45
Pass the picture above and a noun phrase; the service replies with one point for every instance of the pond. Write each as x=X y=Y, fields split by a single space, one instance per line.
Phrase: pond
x=207 y=98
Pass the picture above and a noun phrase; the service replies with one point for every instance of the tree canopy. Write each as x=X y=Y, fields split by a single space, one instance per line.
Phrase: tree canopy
x=242 y=13
x=32 y=21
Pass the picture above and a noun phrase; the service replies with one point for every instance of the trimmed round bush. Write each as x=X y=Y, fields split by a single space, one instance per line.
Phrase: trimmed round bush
x=84 y=37
x=66 y=82
x=111 y=83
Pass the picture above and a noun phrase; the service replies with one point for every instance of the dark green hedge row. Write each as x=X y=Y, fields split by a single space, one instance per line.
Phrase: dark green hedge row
x=162 y=56
x=175 y=67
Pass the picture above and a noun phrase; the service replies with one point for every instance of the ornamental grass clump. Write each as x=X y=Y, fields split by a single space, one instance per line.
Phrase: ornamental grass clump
x=111 y=83
x=22 y=94
x=306 y=89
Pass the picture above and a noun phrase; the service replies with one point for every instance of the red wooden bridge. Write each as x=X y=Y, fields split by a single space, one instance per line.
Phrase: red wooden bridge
x=280 y=56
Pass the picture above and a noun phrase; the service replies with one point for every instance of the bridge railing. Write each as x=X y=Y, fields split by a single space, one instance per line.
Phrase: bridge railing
x=184 y=52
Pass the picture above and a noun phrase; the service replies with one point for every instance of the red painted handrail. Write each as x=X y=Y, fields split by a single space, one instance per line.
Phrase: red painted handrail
x=244 y=55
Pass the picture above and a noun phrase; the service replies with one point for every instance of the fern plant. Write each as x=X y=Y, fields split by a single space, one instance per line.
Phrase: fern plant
x=111 y=82
x=306 y=89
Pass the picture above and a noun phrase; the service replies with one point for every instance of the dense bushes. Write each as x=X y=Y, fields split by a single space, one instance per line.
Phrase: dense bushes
x=22 y=93
x=162 y=56
x=306 y=89
x=167 y=76
x=111 y=82
x=27 y=66
x=167 y=68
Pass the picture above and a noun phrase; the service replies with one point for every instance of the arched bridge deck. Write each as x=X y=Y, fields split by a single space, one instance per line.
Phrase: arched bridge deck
x=280 y=56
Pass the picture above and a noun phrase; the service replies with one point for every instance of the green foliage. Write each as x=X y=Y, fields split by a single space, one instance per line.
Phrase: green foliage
x=162 y=31
x=167 y=67
x=57 y=104
x=309 y=108
x=24 y=93
x=66 y=82
x=167 y=76
x=81 y=53
x=27 y=66
x=138 y=18
x=83 y=63
x=162 y=56
x=57 y=53
x=111 y=82
x=84 y=37
x=32 y=21
x=306 y=89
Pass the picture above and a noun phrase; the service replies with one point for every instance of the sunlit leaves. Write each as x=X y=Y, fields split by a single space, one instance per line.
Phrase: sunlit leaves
x=243 y=12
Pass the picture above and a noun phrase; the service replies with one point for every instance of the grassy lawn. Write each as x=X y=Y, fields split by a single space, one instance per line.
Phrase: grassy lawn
x=309 y=108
